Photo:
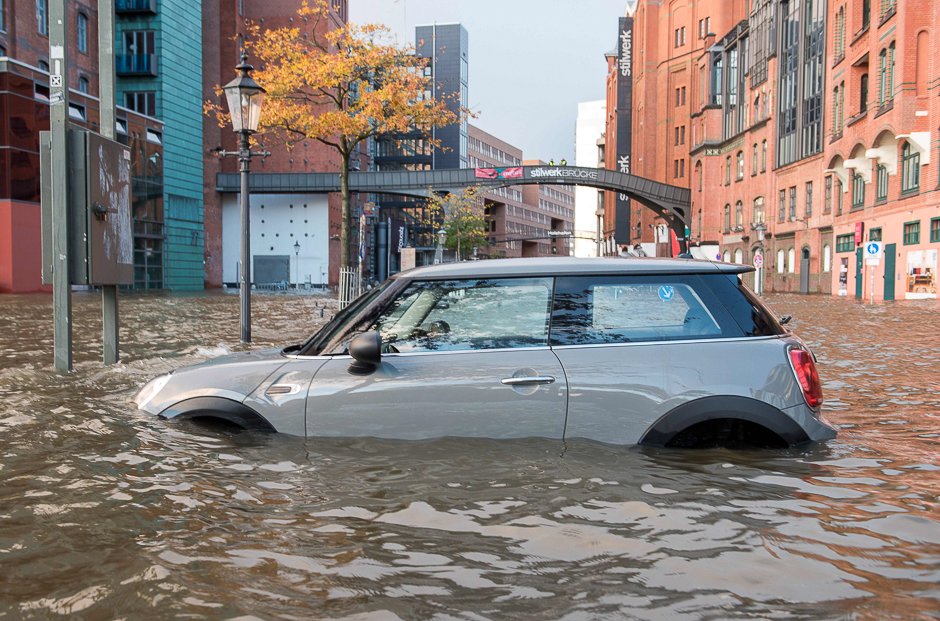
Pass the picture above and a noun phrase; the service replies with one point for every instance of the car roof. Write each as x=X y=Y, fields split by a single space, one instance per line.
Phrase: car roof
x=569 y=266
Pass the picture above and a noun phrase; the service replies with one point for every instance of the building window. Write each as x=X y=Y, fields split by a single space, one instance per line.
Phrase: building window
x=142 y=102
x=763 y=157
x=678 y=94
x=682 y=135
x=739 y=215
x=82 y=26
x=740 y=161
x=727 y=218
x=838 y=45
x=858 y=191
x=874 y=234
x=911 y=233
x=682 y=168
x=887 y=9
x=83 y=85
x=866 y=13
x=839 y=192
x=910 y=169
x=793 y=203
x=782 y=212
x=758 y=209
x=809 y=198
x=781 y=261
x=838 y=95
x=698 y=167
x=935 y=230
x=42 y=16
x=845 y=243
x=886 y=75
x=3 y=23
x=827 y=258
x=44 y=66
x=863 y=94
x=827 y=204
x=717 y=80
x=739 y=256
x=677 y=136
x=791 y=260
x=728 y=170
x=754 y=160
x=881 y=183
x=683 y=95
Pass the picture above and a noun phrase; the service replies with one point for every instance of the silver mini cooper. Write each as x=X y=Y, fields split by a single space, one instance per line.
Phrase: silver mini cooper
x=623 y=351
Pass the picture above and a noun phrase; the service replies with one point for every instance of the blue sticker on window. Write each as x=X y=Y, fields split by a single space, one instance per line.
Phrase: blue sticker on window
x=666 y=293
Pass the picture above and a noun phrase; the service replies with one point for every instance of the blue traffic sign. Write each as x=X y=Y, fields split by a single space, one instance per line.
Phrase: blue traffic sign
x=666 y=293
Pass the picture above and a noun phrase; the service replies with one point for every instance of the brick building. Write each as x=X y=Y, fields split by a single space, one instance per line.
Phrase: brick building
x=817 y=121
x=24 y=112
x=276 y=226
x=524 y=220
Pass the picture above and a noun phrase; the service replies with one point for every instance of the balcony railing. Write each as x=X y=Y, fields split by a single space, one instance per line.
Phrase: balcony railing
x=135 y=6
x=136 y=65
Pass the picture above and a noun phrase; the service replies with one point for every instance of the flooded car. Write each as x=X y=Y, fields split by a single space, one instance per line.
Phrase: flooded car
x=623 y=351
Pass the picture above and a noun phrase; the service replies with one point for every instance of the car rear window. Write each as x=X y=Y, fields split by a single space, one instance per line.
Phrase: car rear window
x=748 y=311
x=593 y=310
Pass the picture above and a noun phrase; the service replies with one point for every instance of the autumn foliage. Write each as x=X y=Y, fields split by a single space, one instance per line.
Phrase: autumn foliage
x=340 y=86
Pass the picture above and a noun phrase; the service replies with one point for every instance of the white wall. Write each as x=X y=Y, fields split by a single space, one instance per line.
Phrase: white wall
x=277 y=225
x=590 y=126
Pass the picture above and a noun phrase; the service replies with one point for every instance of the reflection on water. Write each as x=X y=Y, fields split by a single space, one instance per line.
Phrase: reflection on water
x=107 y=513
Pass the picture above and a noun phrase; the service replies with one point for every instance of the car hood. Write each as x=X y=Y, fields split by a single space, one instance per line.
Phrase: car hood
x=234 y=377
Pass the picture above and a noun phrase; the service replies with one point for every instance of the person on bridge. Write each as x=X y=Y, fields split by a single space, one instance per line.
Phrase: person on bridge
x=551 y=162
x=564 y=162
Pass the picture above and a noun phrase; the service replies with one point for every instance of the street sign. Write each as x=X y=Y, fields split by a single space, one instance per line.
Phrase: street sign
x=758 y=261
x=718 y=257
x=873 y=253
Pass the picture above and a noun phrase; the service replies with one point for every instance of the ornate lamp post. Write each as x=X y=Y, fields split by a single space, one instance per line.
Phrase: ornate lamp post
x=245 y=97
x=760 y=229
x=297 y=254
x=439 y=253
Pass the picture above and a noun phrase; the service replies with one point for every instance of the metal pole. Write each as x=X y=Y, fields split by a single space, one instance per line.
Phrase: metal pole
x=244 y=156
x=871 y=287
x=599 y=225
x=59 y=122
x=110 y=318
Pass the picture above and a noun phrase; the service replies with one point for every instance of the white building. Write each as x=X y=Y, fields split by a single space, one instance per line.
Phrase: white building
x=289 y=239
x=590 y=126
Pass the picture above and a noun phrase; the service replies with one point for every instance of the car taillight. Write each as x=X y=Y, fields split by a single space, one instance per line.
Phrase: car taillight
x=805 y=370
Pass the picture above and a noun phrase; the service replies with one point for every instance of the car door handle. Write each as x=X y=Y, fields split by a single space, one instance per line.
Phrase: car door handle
x=527 y=381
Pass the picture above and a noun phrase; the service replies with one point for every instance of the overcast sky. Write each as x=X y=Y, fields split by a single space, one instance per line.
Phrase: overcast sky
x=531 y=61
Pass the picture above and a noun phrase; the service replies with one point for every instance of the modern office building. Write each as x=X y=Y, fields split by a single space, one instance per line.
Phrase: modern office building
x=159 y=71
x=24 y=93
x=588 y=152
x=446 y=48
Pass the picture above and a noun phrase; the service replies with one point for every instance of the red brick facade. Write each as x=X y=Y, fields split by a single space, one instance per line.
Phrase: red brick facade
x=223 y=29
x=737 y=181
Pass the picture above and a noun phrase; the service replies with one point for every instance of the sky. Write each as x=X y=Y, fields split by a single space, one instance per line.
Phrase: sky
x=531 y=61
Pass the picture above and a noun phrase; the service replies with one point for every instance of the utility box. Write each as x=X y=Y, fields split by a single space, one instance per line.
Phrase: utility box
x=99 y=194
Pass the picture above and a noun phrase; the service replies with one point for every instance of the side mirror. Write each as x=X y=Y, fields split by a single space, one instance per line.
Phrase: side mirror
x=366 y=350
x=785 y=319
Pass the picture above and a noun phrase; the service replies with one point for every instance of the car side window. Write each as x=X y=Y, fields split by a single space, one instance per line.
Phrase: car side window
x=624 y=309
x=463 y=315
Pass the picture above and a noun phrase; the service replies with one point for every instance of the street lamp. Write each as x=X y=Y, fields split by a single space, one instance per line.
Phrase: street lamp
x=297 y=254
x=439 y=253
x=245 y=97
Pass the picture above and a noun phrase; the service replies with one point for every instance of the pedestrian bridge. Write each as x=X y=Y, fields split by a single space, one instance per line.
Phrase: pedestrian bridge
x=671 y=203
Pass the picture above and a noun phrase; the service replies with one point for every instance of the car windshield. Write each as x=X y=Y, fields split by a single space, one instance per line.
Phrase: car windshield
x=314 y=345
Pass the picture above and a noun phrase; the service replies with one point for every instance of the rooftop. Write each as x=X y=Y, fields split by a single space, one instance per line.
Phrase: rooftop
x=562 y=266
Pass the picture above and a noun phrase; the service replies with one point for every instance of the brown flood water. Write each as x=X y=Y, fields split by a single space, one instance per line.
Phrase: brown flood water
x=106 y=513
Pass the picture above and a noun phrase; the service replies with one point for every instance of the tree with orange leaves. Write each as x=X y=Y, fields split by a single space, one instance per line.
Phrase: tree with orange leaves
x=340 y=87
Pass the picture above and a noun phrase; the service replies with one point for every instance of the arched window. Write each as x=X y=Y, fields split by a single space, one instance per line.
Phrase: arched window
x=739 y=215
x=910 y=169
x=791 y=260
x=727 y=256
x=781 y=261
x=754 y=160
x=738 y=256
x=757 y=116
x=728 y=170
x=827 y=258
x=758 y=209
x=728 y=217
x=923 y=58
x=740 y=161
x=83 y=85
x=82 y=31
x=698 y=168
x=763 y=157
x=886 y=75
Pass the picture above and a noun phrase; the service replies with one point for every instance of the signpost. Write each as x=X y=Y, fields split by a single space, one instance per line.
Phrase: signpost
x=873 y=253
x=758 y=261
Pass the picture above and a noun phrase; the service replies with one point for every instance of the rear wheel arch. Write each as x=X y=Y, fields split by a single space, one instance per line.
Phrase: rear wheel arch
x=218 y=408
x=700 y=411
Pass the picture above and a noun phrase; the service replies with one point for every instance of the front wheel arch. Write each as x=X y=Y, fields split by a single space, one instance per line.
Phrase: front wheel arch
x=724 y=407
x=218 y=408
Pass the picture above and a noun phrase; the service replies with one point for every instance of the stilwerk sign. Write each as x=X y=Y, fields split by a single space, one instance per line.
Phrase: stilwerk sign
x=621 y=223
x=562 y=173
